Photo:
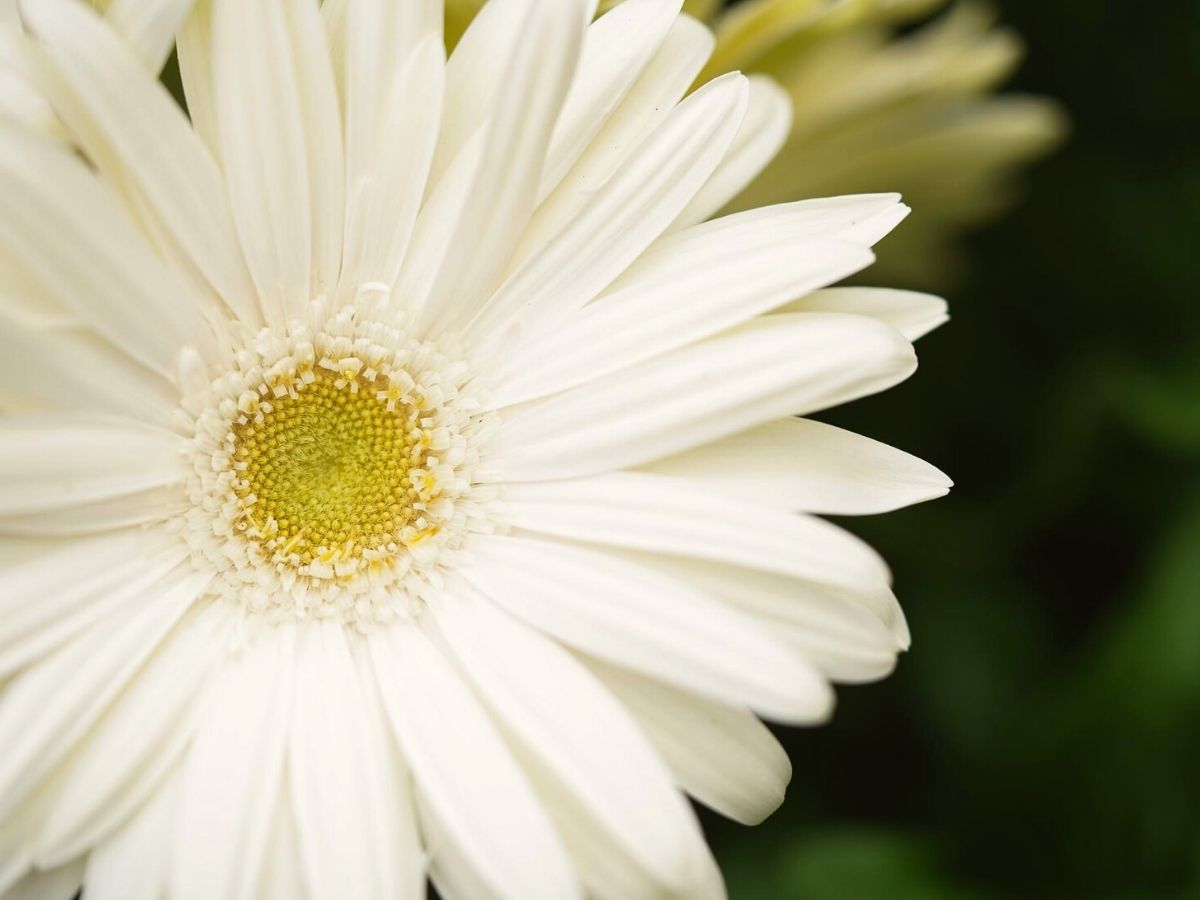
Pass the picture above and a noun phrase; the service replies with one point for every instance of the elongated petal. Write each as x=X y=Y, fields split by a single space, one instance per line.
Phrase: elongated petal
x=721 y=755
x=49 y=598
x=68 y=231
x=482 y=802
x=703 y=282
x=563 y=717
x=608 y=870
x=624 y=216
x=21 y=105
x=261 y=127
x=639 y=618
x=856 y=218
x=142 y=141
x=763 y=370
x=383 y=200
x=407 y=859
x=154 y=506
x=54 y=462
x=537 y=64
x=132 y=863
x=336 y=782
x=45 y=712
x=388 y=60
x=57 y=884
x=375 y=40
x=850 y=636
x=99 y=379
x=142 y=736
x=320 y=114
x=642 y=511
x=651 y=99
x=764 y=130
x=233 y=774
x=195 y=69
x=913 y=314
x=805 y=465
x=617 y=48
x=282 y=871
x=149 y=27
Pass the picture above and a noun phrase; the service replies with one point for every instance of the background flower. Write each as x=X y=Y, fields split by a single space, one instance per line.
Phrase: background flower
x=884 y=98
x=916 y=109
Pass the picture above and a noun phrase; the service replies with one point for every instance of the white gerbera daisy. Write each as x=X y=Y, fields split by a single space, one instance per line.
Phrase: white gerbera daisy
x=396 y=478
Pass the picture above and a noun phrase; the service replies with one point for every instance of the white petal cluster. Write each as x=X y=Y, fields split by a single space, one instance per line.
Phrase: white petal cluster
x=596 y=558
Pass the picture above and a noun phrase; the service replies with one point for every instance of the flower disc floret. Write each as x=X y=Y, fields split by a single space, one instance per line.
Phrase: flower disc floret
x=332 y=467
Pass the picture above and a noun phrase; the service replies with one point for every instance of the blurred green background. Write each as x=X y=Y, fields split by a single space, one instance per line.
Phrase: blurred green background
x=1042 y=737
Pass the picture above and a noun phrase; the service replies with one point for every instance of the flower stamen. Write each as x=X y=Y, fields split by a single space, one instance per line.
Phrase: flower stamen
x=333 y=467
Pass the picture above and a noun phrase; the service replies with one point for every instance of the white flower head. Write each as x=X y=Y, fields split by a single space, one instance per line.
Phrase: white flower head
x=399 y=474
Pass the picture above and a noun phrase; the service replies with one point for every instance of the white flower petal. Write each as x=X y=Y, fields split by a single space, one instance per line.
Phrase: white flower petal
x=528 y=71
x=35 y=373
x=765 y=129
x=639 y=618
x=624 y=215
x=149 y=26
x=138 y=740
x=260 y=120
x=121 y=511
x=383 y=200
x=703 y=281
x=721 y=755
x=650 y=101
x=474 y=72
x=334 y=16
x=765 y=369
x=380 y=37
x=616 y=51
x=132 y=128
x=50 y=463
x=58 y=884
x=406 y=859
x=560 y=715
x=642 y=511
x=388 y=57
x=482 y=802
x=805 y=465
x=281 y=876
x=450 y=869
x=320 y=114
x=132 y=863
x=233 y=773
x=913 y=314
x=21 y=105
x=47 y=710
x=194 y=47
x=850 y=636
x=607 y=869
x=50 y=598
x=68 y=231
x=335 y=782
x=862 y=219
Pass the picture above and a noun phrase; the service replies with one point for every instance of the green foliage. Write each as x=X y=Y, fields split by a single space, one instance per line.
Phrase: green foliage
x=834 y=865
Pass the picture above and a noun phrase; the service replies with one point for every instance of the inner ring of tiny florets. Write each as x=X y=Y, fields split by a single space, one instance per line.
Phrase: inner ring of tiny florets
x=332 y=468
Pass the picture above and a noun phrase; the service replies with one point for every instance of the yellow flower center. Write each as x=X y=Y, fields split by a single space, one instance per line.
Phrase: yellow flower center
x=332 y=467
x=333 y=471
